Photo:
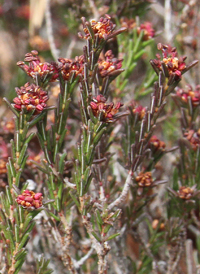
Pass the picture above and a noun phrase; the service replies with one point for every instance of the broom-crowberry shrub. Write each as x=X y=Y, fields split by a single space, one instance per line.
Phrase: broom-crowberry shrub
x=98 y=174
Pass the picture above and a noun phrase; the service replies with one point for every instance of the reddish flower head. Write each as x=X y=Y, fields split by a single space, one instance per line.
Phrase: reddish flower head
x=172 y=63
x=31 y=97
x=33 y=157
x=156 y=144
x=3 y=169
x=109 y=65
x=23 y=11
x=7 y=126
x=149 y=32
x=98 y=105
x=185 y=192
x=38 y=69
x=128 y=23
x=103 y=28
x=140 y=111
x=30 y=199
x=184 y=95
x=144 y=179
x=67 y=66
x=193 y=137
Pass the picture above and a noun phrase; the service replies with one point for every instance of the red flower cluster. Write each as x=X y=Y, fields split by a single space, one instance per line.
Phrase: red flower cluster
x=173 y=64
x=4 y=149
x=31 y=97
x=109 y=65
x=38 y=69
x=103 y=27
x=39 y=43
x=4 y=154
x=184 y=94
x=23 y=11
x=30 y=199
x=98 y=105
x=193 y=137
x=140 y=111
x=128 y=23
x=3 y=169
x=157 y=144
x=149 y=32
x=33 y=157
x=185 y=192
x=7 y=126
x=144 y=179
x=67 y=66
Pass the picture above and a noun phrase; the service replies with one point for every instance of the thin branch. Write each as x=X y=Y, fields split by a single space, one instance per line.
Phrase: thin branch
x=3 y=270
x=175 y=264
x=71 y=47
x=124 y=193
x=168 y=20
x=66 y=258
x=79 y=263
x=49 y=26
x=94 y=9
x=68 y=184
x=101 y=249
x=174 y=257
x=195 y=219
x=189 y=257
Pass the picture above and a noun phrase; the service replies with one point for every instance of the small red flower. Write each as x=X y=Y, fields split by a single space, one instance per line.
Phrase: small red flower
x=38 y=69
x=7 y=126
x=30 y=199
x=157 y=144
x=31 y=97
x=193 y=137
x=128 y=23
x=169 y=59
x=144 y=179
x=149 y=32
x=109 y=65
x=140 y=111
x=23 y=11
x=39 y=43
x=98 y=105
x=185 y=192
x=67 y=66
x=103 y=28
x=33 y=157
x=184 y=95
x=4 y=149
x=3 y=169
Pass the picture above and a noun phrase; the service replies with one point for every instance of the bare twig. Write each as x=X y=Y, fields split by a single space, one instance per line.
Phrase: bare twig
x=195 y=219
x=94 y=9
x=66 y=258
x=189 y=259
x=176 y=255
x=124 y=193
x=168 y=20
x=147 y=249
x=101 y=248
x=3 y=270
x=79 y=263
x=49 y=26
x=71 y=47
